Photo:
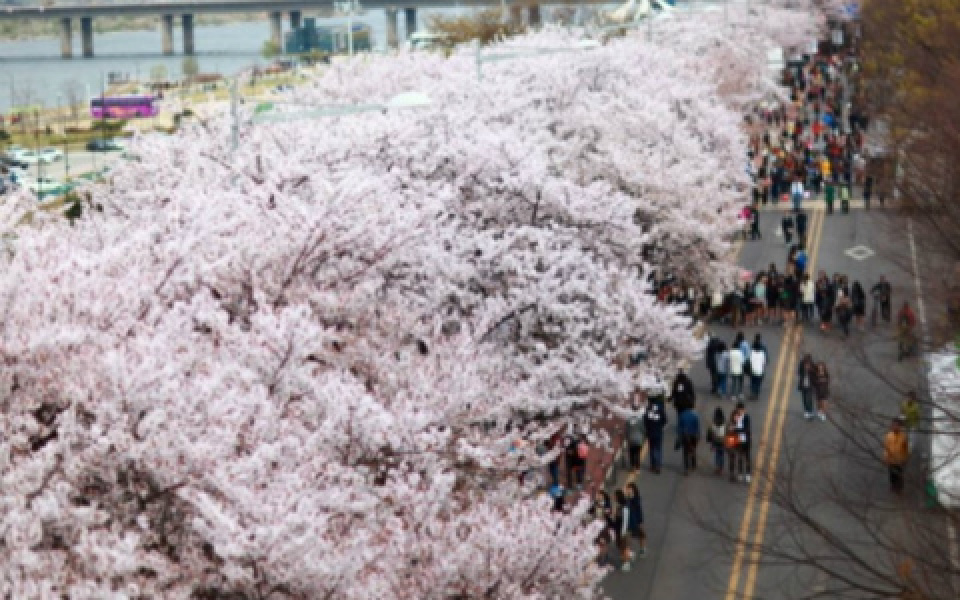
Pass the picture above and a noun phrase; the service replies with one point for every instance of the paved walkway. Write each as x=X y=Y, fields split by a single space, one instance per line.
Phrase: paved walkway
x=685 y=560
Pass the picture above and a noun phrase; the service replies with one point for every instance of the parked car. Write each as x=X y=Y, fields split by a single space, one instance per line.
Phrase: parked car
x=27 y=156
x=49 y=155
x=13 y=150
x=14 y=174
x=43 y=186
x=6 y=161
x=104 y=145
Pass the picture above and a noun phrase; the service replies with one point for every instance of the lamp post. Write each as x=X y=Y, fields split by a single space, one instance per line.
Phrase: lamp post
x=66 y=146
x=11 y=81
x=36 y=151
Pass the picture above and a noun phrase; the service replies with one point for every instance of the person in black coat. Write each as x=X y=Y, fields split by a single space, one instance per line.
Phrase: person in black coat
x=755 y=223
x=786 y=225
x=801 y=218
x=654 y=421
x=740 y=424
x=682 y=394
x=713 y=347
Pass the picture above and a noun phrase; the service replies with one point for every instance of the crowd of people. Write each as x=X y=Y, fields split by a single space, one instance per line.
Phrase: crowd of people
x=809 y=147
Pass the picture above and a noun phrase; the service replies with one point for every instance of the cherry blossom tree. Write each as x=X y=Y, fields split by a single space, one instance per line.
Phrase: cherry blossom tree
x=316 y=365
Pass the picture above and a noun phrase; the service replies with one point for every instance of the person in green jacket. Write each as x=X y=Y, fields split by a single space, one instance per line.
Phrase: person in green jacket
x=830 y=194
x=910 y=409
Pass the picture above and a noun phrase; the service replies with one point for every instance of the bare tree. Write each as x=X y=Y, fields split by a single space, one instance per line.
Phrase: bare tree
x=72 y=91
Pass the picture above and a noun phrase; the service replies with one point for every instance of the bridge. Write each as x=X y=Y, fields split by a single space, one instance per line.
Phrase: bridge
x=86 y=12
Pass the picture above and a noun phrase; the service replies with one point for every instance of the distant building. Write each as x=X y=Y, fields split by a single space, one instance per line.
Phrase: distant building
x=332 y=40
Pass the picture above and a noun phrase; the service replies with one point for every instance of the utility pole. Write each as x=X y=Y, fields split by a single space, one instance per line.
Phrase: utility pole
x=66 y=146
x=350 y=4
x=235 y=124
x=36 y=150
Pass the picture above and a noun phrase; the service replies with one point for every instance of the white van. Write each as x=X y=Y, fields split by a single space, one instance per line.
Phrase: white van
x=426 y=40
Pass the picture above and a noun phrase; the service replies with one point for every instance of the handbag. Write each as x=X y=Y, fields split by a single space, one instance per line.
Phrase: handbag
x=731 y=441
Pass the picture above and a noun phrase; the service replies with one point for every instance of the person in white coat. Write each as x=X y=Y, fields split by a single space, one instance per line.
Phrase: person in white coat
x=736 y=360
x=796 y=193
x=758 y=366
x=808 y=296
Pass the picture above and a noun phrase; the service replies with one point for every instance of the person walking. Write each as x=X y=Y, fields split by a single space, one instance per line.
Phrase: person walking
x=635 y=434
x=867 y=191
x=621 y=528
x=825 y=299
x=553 y=467
x=723 y=369
x=808 y=297
x=789 y=299
x=710 y=359
x=882 y=296
x=821 y=389
x=801 y=219
x=844 y=310
x=786 y=226
x=715 y=437
x=737 y=361
x=688 y=436
x=755 y=224
x=800 y=261
x=682 y=395
x=896 y=450
x=740 y=423
x=859 y=300
x=806 y=372
x=602 y=511
x=759 y=299
x=655 y=420
x=910 y=410
x=796 y=193
x=635 y=524
x=758 y=366
x=576 y=463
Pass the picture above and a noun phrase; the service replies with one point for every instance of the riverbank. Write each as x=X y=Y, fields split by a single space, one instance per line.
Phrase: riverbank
x=26 y=29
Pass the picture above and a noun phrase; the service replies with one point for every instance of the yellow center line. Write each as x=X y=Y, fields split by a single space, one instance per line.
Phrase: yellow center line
x=781 y=404
x=778 y=406
x=632 y=477
x=754 y=484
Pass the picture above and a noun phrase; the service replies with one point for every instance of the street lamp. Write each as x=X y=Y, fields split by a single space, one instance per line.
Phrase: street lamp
x=11 y=81
x=349 y=6
x=66 y=146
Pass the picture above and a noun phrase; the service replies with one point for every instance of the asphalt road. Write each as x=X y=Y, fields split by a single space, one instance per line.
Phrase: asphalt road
x=75 y=164
x=686 y=558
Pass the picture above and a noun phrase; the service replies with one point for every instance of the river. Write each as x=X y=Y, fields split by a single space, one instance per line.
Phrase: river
x=32 y=72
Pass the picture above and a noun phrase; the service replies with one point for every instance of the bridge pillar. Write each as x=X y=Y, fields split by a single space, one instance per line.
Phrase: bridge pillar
x=393 y=40
x=66 y=38
x=166 y=34
x=296 y=18
x=187 y=22
x=411 y=18
x=533 y=16
x=86 y=36
x=276 y=29
x=516 y=15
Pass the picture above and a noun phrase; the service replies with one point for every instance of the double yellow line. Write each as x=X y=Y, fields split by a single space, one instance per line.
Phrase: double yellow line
x=765 y=469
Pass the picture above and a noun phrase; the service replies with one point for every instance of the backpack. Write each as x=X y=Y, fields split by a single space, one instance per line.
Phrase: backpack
x=583 y=450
